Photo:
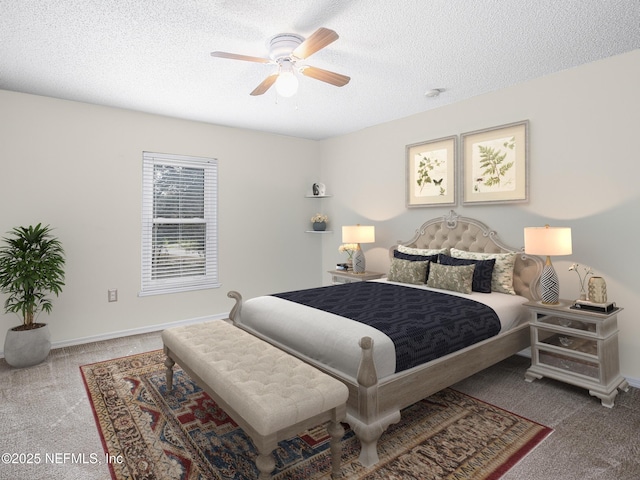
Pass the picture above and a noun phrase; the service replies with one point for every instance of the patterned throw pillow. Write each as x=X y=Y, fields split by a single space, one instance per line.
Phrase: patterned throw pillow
x=481 y=275
x=502 y=278
x=416 y=258
x=406 y=271
x=451 y=277
x=421 y=251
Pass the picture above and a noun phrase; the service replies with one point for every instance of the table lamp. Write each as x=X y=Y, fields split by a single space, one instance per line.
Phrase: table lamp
x=548 y=241
x=358 y=234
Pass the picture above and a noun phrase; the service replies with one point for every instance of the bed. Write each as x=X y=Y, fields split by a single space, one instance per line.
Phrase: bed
x=363 y=357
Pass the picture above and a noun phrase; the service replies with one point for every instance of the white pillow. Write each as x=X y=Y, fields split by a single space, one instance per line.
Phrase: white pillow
x=502 y=277
x=421 y=251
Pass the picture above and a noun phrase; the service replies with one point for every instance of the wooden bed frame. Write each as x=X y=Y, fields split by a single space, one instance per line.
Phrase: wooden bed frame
x=374 y=403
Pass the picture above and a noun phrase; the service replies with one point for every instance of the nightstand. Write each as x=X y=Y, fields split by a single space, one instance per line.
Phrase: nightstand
x=578 y=347
x=343 y=276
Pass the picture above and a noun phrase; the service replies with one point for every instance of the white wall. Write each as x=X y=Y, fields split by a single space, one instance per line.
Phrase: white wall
x=584 y=173
x=78 y=167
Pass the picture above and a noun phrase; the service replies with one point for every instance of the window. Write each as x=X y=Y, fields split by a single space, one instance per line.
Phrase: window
x=179 y=223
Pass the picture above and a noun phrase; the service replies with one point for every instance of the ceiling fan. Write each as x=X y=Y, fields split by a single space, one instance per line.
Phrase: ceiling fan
x=286 y=50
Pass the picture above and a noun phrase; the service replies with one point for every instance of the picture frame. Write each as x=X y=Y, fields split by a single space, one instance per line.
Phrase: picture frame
x=431 y=173
x=495 y=164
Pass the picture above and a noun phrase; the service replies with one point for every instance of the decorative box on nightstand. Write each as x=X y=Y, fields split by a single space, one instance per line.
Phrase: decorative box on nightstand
x=577 y=347
x=344 y=276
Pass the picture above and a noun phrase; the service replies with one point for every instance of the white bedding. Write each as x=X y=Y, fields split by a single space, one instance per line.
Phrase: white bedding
x=313 y=332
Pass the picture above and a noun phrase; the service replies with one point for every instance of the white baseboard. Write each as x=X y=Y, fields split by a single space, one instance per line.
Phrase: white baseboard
x=130 y=332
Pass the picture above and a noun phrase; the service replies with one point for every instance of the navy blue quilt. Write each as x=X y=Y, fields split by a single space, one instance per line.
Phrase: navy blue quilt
x=424 y=325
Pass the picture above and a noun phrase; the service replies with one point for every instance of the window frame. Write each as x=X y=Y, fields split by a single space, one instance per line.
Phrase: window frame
x=149 y=285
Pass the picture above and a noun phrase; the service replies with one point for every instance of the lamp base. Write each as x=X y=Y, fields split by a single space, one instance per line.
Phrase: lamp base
x=358 y=260
x=549 y=287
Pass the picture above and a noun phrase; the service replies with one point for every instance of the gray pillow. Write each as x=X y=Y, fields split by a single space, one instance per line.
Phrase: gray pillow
x=406 y=271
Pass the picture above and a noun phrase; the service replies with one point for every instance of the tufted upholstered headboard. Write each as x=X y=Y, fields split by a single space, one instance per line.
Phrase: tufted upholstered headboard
x=454 y=231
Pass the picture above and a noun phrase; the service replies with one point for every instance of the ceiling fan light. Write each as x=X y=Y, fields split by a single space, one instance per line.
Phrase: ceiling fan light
x=287 y=84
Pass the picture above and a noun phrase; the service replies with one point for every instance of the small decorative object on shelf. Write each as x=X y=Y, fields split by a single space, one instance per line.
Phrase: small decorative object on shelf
x=597 y=290
x=318 y=189
x=582 y=277
x=319 y=221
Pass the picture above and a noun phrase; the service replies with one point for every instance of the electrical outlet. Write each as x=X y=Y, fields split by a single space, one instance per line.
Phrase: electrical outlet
x=113 y=295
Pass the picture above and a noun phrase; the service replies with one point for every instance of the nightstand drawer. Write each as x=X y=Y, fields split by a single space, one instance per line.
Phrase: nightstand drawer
x=566 y=323
x=568 y=342
x=572 y=366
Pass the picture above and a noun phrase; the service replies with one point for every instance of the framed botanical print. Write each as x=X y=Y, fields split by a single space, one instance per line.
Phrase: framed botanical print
x=495 y=164
x=431 y=168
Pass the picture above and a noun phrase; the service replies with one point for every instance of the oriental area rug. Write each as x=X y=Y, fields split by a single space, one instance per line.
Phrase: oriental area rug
x=184 y=435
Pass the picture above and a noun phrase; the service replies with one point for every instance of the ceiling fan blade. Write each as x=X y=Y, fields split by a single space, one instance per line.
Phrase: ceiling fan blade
x=235 y=56
x=265 y=85
x=326 y=76
x=317 y=41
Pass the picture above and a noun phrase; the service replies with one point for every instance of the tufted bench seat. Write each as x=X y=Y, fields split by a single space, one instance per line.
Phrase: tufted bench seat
x=270 y=394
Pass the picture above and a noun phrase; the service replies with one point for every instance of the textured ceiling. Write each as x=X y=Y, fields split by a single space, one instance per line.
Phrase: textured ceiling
x=154 y=55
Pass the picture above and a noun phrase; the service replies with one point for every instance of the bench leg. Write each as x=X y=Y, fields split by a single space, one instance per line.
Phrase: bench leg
x=336 y=431
x=265 y=463
x=169 y=363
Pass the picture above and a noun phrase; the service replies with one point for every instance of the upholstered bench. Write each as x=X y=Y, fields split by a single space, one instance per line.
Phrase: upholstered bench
x=270 y=394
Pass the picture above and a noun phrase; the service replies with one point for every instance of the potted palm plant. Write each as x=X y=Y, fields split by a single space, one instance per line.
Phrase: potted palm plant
x=31 y=269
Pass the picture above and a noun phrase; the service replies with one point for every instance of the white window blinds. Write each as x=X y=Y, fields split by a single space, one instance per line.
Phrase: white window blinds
x=179 y=223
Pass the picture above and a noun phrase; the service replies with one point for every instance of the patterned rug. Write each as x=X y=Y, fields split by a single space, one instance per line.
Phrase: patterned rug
x=184 y=435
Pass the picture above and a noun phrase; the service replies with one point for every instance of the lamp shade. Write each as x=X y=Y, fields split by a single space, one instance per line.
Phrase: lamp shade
x=358 y=234
x=548 y=241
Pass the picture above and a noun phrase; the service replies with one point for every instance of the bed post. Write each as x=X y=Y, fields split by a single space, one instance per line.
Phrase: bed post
x=367 y=380
x=369 y=425
x=235 y=311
